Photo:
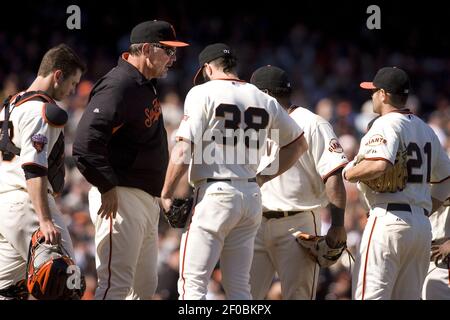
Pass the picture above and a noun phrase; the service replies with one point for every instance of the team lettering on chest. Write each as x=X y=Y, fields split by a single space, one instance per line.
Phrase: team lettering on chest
x=376 y=140
x=152 y=113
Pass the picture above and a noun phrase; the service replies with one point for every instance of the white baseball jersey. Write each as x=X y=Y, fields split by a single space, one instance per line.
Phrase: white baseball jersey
x=35 y=138
x=440 y=223
x=427 y=161
x=301 y=187
x=29 y=131
x=227 y=214
x=217 y=117
x=395 y=248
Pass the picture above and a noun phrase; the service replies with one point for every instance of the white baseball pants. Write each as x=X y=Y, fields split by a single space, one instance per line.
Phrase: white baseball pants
x=127 y=246
x=224 y=224
x=394 y=255
x=18 y=221
x=276 y=250
x=437 y=282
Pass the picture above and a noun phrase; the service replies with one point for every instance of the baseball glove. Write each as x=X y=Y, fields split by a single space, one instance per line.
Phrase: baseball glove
x=394 y=179
x=318 y=249
x=179 y=212
x=48 y=276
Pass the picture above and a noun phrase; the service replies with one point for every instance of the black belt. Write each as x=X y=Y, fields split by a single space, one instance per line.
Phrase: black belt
x=398 y=207
x=279 y=214
x=227 y=180
x=402 y=207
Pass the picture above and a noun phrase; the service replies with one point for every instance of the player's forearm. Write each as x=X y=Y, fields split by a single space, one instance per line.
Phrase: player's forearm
x=173 y=176
x=367 y=170
x=288 y=156
x=439 y=193
x=335 y=190
x=178 y=165
x=37 y=189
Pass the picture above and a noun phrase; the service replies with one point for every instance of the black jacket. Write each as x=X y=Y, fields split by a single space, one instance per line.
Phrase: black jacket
x=121 y=139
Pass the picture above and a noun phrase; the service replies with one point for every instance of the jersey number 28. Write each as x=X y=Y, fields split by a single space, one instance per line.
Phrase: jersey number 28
x=254 y=118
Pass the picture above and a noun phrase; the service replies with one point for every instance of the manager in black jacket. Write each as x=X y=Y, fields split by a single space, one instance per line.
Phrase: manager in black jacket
x=121 y=148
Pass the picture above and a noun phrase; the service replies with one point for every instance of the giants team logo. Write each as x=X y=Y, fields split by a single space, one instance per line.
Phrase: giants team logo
x=39 y=141
x=152 y=114
x=376 y=140
x=335 y=146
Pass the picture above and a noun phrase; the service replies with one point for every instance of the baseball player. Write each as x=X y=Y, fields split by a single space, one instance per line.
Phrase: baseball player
x=398 y=158
x=437 y=281
x=291 y=201
x=219 y=117
x=121 y=148
x=32 y=167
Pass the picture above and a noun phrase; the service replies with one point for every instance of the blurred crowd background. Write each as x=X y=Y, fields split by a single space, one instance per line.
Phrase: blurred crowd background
x=326 y=49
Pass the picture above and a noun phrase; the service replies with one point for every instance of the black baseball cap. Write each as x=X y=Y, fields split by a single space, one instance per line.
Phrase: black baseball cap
x=271 y=78
x=155 y=31
x=208 y=54
x=392 y=79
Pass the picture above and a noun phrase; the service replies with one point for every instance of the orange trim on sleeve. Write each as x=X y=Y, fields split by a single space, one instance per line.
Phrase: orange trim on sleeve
x=367 y=257
x=303 y=133
x=436 y=182
x=379 y=158
x=325 y=177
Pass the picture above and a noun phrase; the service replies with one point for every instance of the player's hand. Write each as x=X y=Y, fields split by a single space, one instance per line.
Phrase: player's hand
x=261 y=179
x=336 y=236
x=166 y=203
x=440 y=252
x=51 y=233
x=110 y=204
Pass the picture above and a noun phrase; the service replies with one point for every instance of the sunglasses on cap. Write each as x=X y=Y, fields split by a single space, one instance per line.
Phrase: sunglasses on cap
x=168 y=50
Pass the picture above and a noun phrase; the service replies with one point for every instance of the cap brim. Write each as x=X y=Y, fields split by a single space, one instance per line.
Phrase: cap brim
x=367 y=85
x=198 y=78
x=174 y=43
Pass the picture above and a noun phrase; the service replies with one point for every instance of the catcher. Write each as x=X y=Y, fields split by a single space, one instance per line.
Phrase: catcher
x=398 y=159
x=32 y=166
